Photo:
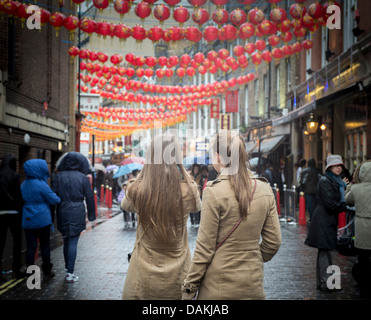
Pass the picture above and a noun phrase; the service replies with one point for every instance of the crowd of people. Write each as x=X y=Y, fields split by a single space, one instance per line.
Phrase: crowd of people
x=235 y=211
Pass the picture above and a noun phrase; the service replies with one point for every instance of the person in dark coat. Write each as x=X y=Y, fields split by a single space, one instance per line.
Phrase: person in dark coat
x=37 y=218
x=308 y=181
x=73 y=187
x=322 y=233
x=11 y=203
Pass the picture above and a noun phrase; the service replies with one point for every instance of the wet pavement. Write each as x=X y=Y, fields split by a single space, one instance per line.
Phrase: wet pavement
x=102 y=264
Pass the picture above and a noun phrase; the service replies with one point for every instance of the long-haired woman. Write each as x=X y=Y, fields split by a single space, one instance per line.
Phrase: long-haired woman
x=240 y=209
x=163 y=195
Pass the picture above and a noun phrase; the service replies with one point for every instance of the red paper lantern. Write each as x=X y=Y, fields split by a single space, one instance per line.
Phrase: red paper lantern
x=300 y=32
x=100 y=4
x=160 y=73
x=265 y=27
x=172 y=3
x=151 y=61
x=162 y=61
x=180 y=72
x=87 y=25
x=102 y=57
x=297 y=47
x=277 y=53
x=287 y=50
x=238 y=51
x=103 y=29
x=143 y=10
x=210 y=33
x=121 y=31
x=161 y=12
x=200 y=16
x=190 y=71
x=73 y=51
x=220 y=16
x=256 y=58
x=274 y=40
x=11 y=7
x=278 y=14
x=297 y=11
x=238 y=17
x=315 y=10
x=229 y=32
x=249 y=48
x=193 y=34
x=169 y=73
x=138 y=32
x=150 y=2
x=139 y=61
x=173 y=34
x=121 y=6
x=155 y=34
x=197 y=3
x=260 y=45
x=84 y=54
x=181 y=15
x=199 y=57
x=308 y=21
x=71 y=23
x=285 y=25
x=223 y=53
x=255 y=16
x=219 y=2
x=307 y=44
x=202 y=70
x=173 y=60
x=212 y=55
x=57 y=21
x=22 y=12
x=246 y=31
x=116 y=58
x=286 y=37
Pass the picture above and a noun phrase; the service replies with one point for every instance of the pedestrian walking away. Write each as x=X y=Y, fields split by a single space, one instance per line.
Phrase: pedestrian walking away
x=161 y=255
x=74 y=189
x=358 y=194
x=37 y=218
x=237 y=210
x=11 y=203
x=322 y=233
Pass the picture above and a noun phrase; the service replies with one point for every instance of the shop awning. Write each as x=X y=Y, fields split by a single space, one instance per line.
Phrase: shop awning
x=268 y=145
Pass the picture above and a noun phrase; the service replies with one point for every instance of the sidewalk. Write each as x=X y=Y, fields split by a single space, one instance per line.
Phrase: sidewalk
x=102 y=265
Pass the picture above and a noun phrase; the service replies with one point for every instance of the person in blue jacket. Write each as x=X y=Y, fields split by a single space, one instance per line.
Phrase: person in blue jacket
x=73 y=187
x=37 y=218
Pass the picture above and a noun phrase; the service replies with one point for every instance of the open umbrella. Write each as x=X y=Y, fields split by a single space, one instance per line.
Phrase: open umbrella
x=126 y=169
x=112 y=167
x=100 y=167
x=132 y=160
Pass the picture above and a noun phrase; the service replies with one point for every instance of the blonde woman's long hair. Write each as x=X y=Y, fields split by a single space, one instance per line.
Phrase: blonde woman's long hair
x=231 y=149
x=156 y=193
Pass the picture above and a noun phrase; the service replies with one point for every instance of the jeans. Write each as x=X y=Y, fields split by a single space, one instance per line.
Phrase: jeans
x=70 y=252
x=32 y=235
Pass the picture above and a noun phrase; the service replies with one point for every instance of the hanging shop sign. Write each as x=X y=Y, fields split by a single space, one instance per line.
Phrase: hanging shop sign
x=214 y=109
x=89 y=102
x=231 y=101
x=225 y=121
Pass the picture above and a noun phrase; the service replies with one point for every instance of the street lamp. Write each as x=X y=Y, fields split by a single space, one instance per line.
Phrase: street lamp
x=312 y=124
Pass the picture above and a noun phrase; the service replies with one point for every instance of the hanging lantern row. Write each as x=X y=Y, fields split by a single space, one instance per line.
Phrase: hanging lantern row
x=242 y=25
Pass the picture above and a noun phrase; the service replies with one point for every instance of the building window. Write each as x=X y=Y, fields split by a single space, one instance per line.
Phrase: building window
x=256 y=88
x=349 y=23
x=308 y=56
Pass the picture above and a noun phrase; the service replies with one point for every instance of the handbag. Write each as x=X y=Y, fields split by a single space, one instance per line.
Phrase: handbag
x=345 y=242
x=239 y=221
x=130 y=254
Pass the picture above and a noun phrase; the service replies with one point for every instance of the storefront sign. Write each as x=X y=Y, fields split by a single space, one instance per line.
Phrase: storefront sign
x=89 y=102
x=225 y=121
x=231 y=101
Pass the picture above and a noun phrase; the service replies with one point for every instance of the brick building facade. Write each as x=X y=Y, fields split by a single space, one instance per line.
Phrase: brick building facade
x=36 y=89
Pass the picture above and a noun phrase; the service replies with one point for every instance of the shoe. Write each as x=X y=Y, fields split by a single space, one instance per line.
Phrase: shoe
x=70 y=277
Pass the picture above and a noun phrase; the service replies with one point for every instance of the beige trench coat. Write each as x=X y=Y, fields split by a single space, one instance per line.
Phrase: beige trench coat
x=157 y=268
x=235 y=270
x=359 y=195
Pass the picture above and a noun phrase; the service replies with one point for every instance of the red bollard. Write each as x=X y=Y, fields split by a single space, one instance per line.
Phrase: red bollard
x=302 y=217
x=342 y=220
x=107 y=195
x=278 y=202
x=101 y=199
x=109 y=205
x=96 y=203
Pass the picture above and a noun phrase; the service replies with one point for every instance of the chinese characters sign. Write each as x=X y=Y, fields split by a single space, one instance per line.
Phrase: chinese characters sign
x=231 y=101
x=214 y=109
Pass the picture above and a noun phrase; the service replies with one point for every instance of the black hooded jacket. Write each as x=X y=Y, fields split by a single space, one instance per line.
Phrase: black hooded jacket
x=10 y=186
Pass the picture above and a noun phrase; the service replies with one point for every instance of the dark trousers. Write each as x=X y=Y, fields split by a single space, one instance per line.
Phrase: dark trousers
x=43 y=235
x=310 y=203
x=195 y=217
x=364 y=273
x=324 y=260
x=70 y=252
x=13 y=222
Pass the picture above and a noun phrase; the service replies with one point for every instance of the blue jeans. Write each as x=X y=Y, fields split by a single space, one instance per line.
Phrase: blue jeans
x=70 y=252
x=43 y=234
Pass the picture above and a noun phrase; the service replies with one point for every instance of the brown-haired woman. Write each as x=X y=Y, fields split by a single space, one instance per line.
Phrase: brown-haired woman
x=238 y=205
x=162 y=195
